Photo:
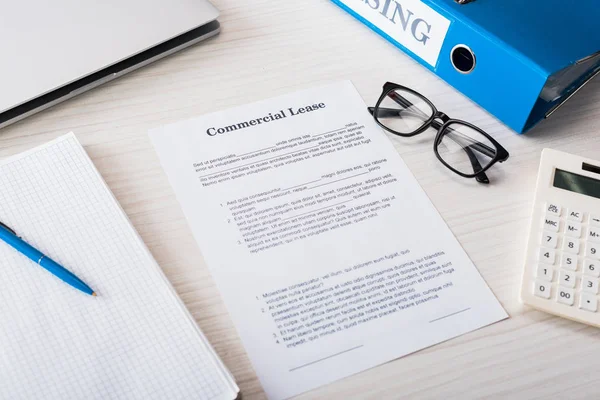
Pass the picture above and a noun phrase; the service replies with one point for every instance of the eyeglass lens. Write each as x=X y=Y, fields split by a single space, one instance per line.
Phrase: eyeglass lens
x=465 y=149
x=403 y=111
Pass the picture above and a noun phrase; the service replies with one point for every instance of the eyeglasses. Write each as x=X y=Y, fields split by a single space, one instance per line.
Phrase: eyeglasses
x=459 y=145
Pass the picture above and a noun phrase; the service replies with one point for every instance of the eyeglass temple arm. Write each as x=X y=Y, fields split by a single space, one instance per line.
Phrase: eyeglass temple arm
x=481 y=177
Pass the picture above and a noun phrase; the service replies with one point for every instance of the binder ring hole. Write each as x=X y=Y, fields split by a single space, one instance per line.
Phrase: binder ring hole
x=463 y=59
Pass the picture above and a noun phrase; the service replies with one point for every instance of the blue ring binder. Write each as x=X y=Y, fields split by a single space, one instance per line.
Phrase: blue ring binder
x=530 y=56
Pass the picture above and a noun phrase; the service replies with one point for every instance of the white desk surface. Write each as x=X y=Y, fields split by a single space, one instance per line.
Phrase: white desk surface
x=269 y=48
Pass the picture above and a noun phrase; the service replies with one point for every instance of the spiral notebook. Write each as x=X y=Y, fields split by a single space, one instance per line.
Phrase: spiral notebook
x=136 y=340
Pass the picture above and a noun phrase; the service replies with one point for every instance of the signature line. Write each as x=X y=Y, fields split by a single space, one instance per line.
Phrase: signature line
x=449 y=315
x=325 y=358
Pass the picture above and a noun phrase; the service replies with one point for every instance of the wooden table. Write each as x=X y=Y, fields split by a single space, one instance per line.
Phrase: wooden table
x=270 y=48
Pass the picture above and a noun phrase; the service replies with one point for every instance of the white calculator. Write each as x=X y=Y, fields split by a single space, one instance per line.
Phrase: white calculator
x=562 y=266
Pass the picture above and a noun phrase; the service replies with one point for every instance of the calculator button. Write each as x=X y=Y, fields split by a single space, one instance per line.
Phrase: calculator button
x=567 y=279
x=573 y=229
x=551 y=223
x=571 y=246
x=575 y=215
x=549 y=239
x=592 y=250
x=553 y=209
x=591 y=268
x=593 y=234
x=542 y=289
x=589 y=285
x=547 y=256
x=565 y=296
x=595 y=220
x=545 y=272
x=588 y=302
x=569 y=262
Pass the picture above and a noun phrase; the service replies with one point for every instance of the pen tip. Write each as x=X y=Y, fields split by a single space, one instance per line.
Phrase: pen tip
x=94 y=294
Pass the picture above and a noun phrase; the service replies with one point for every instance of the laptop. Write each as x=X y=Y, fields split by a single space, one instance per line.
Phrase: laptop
x=55 y=50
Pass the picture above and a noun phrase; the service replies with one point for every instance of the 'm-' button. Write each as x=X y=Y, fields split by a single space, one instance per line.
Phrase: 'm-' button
x=573 y=229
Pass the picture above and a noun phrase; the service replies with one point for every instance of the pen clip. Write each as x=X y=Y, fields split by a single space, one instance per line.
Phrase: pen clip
x=3 y=225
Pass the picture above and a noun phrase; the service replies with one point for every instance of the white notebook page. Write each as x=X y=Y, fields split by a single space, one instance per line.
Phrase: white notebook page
x=135 y=340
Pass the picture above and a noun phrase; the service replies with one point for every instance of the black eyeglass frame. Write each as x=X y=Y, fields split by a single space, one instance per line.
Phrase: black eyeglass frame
x=501 y=154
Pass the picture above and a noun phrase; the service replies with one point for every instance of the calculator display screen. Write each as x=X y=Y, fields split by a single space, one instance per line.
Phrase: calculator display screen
x=576 y=183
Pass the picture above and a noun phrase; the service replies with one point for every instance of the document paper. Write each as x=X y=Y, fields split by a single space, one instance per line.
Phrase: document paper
x=328 y=254
x=135 y=340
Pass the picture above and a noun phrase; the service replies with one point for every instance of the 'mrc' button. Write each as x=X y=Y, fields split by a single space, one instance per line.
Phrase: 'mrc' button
x=551 y=223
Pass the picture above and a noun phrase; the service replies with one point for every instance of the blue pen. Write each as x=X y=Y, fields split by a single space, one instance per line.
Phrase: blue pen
x=10 y=237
